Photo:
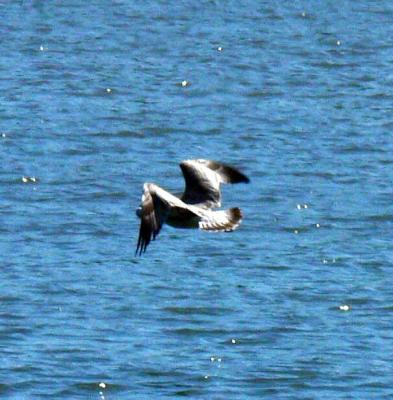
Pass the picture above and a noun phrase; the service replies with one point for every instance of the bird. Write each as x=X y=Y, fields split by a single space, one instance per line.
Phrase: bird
x=195 y=208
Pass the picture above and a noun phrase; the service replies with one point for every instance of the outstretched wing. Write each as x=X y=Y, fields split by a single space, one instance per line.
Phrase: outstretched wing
x=153 y=215
x=156 y=206
x=203 y=179
x=221 y=221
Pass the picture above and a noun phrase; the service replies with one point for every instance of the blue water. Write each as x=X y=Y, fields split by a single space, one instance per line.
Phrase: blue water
x=296 y=304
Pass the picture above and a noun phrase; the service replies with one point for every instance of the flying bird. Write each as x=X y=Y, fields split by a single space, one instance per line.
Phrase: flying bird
x=195 y=208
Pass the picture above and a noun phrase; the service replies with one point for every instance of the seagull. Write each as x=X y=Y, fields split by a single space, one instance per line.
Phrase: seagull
x=194 y=209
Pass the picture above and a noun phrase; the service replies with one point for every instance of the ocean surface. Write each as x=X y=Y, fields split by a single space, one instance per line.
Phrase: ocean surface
x=99 y=97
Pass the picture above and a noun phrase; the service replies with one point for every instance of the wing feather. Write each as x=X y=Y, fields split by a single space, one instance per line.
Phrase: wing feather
x=227 y=173
x=221 y=221
x=203 y=179
x=154 y=211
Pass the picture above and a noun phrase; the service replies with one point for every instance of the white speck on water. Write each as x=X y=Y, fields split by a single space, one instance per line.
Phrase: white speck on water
x=233 y=341
x=3 y=135
x=206 y=376
x=338 y=43
x=219 y=48
x=102 y=385
x=303 y=14
x=184 y=83
x=212 y=359
x=295 y=231
x=298 y=206
x=305 y=206
x=344 y=307
x=108 y=90
x=317 y=225
x=26 y=179
x=219 y=360
x=325 y=261
x=41 y=48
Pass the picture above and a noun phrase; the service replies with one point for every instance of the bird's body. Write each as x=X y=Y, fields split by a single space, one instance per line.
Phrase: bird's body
x=182 y=219
x=195 y=208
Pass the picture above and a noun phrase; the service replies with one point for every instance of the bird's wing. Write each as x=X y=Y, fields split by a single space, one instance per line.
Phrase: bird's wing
x=221 y=221
x=155 y=207
x=203 y=179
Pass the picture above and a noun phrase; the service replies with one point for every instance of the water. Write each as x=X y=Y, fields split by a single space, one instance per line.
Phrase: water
x=299 y=97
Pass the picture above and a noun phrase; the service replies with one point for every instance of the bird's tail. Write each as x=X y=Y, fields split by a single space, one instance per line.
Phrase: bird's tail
x=221 y=221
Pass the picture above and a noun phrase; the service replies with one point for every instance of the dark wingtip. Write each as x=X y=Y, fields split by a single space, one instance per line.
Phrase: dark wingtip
x=235 y=214
x=246 y=179
x=232 y=174
x=235 y=176
x=139 y=249
x=143 y=240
